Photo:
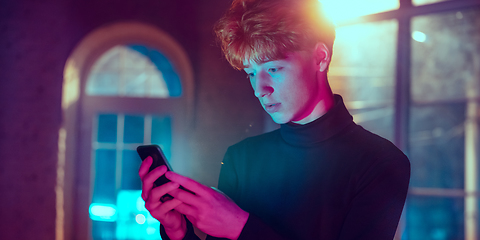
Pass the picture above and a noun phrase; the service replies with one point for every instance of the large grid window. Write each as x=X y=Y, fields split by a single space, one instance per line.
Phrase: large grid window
x=412 y=75
x=445 y=83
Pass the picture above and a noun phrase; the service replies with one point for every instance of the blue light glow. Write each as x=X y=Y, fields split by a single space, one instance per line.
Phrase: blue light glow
x=134 y=221
x=140 y=204
x=151 y=230
x=103 y=212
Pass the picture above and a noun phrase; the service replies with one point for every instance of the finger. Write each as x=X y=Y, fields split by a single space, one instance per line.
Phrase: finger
x=186 y=196
x=170 y=205
x=160 y=191
x=146 y=163
x=149 y=179
x=154 y=174
x=188 y=183
x=159 y=208
x=186 y=210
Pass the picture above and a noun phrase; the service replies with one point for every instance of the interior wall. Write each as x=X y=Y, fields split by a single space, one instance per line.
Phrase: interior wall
x=36 y=40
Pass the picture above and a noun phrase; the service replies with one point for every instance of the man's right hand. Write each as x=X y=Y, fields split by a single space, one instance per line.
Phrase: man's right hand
x=173 y=221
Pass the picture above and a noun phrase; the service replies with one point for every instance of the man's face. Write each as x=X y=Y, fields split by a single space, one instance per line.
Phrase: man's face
x=288 y=89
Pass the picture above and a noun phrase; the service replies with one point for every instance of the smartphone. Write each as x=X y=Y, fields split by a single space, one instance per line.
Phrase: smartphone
x=159 y=159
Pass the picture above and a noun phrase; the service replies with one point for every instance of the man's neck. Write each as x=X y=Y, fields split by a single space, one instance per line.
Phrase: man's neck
x=325 y=101
x=322 y=107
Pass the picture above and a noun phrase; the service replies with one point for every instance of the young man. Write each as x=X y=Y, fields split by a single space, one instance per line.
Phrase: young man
x=320 y=176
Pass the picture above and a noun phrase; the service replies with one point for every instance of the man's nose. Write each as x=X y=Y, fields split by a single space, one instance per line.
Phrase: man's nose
x=263 y=85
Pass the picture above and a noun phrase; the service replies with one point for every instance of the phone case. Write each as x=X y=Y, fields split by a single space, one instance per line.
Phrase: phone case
x=158 y=159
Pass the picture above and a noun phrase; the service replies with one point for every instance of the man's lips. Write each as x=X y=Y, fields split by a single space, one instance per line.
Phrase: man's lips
x=271 y=107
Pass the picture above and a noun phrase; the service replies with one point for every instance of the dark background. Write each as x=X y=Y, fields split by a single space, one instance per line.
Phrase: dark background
x=37 y=37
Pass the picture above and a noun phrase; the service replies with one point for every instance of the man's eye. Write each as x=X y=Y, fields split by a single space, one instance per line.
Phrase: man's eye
x=250 y=75
x=273 y=70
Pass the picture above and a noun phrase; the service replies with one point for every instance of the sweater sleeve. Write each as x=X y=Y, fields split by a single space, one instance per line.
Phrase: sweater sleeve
x=254 y=228
x=380 y=196
x=190 y=235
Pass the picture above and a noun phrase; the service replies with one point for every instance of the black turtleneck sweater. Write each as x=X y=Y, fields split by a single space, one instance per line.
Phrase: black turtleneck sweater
x=328 y=180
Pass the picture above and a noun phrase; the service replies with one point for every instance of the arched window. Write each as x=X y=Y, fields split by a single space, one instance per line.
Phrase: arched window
x=133 y=71
x=134 y=87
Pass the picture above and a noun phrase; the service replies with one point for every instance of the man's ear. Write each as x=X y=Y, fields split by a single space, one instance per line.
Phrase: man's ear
x=322 y=56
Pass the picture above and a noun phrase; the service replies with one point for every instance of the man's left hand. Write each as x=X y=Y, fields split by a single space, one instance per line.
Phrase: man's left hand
x=208 y=209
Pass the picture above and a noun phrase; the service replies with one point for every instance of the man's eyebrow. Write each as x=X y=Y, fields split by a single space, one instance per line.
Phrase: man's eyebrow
x=265 y=60
x=258 y=61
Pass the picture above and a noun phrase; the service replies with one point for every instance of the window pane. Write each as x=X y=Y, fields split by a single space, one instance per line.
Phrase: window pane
x=169 y=74
x=136 y=58
x=445 y=55
x=424 y=2
x=162 y=133
x=437 y=146
x=104 y=182
x=104 y=83
x=135 y=84
x=339 y=10
x=378 y=120
x=134 y=128
x=363 y=72
x=156 y=86
x=434 y=218
x=130 y=165
x=134 y=71
x=107 y=128
x=363 y=64
x=109 y=61
x=103 y=230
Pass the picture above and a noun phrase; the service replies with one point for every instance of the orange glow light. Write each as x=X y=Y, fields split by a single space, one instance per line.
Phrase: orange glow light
x=342 y=10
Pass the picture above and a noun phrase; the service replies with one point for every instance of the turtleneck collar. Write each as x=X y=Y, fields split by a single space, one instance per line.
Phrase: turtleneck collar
x=323 y=128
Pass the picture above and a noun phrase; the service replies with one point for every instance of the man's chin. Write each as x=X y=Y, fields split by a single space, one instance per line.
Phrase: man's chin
x=279 y=119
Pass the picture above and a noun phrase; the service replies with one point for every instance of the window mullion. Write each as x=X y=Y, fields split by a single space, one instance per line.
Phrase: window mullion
x=405 y=3
x=471 y=168
x=402 y=94
x=402 y=84
x=120 y=147
x=147 y=136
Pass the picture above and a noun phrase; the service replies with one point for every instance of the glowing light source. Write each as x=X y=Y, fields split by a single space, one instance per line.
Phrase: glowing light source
x=71 y=83
x=103 y=212
x=341 y=10
x=60 y=185
x=140 y=219
x=419 y=36
x=133 y=219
